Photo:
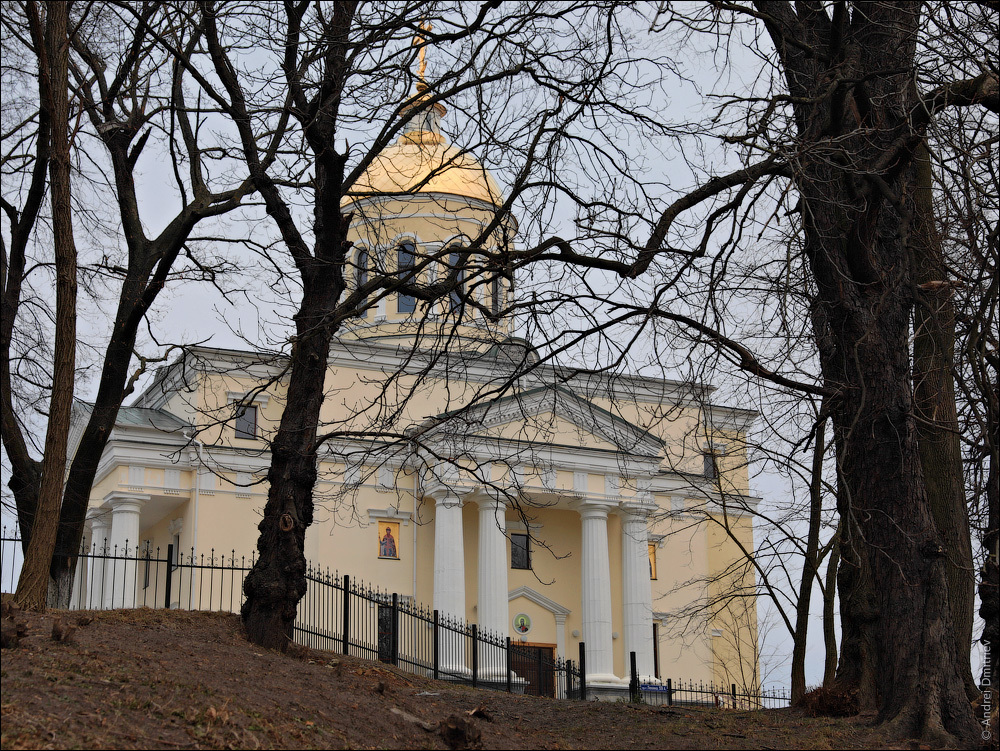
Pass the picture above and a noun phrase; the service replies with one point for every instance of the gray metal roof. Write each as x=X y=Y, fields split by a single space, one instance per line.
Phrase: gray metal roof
x=142 y=417
x=150 y=418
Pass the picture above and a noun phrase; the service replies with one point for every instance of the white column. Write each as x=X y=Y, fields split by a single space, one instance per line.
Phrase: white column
x=637 y=596
x=99 y=531
x=449 y=576
x=120 y=571
x=560 y=653
x=493 y=604
x=596 y=587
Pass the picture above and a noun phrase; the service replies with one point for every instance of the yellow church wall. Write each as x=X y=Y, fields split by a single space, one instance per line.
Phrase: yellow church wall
x=543 y=625
x=685 y=649
x=185 y=404
x=555 y=572
x=736 y=648
x=112 y=481
x=425 y=552
x=217 y=412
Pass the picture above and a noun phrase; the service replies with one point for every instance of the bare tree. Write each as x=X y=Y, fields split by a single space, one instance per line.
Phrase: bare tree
x=133 y=95
x=49 y=32
x=854 y=124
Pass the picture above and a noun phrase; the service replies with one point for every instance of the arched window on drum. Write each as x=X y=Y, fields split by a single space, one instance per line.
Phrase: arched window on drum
x=456 y=298
x=361 y=277
x=406 y=259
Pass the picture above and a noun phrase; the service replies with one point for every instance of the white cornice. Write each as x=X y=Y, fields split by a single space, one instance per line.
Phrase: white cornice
x=729 y=419
x=386 y=359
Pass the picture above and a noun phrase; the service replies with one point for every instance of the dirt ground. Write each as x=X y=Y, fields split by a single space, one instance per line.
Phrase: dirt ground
x=174 y=679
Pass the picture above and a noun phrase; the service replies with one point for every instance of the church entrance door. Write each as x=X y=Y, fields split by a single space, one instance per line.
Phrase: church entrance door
x=535 y=663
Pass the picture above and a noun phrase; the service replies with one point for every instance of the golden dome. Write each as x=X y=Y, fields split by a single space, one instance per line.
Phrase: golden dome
x=422 y=161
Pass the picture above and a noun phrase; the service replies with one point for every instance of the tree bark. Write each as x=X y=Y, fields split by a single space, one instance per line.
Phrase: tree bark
x=937 y=414
x=33 y=584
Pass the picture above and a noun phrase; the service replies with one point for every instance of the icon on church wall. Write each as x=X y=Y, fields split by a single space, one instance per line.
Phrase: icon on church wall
x=651 y=549
x=522 y=623
x=388 y=535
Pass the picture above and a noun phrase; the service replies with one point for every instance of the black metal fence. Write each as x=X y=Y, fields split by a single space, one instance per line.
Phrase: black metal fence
x=343 y=615
x=336 y=614
x=680 y=693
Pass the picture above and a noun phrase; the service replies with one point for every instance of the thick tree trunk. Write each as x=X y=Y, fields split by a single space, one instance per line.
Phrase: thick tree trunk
x=853 y=167
x=809 y=565
x=894 y=571
x=33 y=584
x=277 y=581
x=937 y=414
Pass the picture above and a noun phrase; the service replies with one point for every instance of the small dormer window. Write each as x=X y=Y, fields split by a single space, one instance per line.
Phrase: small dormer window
x=406 y=259
x=246 y=422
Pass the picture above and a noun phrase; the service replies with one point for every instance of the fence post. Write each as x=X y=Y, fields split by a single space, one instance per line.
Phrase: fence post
x=583 y=672
x=670 y=692
x=395 y=629
x=475 y=656
x=633 y=684
x=437 y=646
x=538 y=669
x=510 y=682
x=347 y=614
x=734 y=695
x=170 y=576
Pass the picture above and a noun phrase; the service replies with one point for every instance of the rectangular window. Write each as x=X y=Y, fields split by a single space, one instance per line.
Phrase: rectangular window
x=711 y=458
x=520 y=553
x=246 y=422
x=651 y=548
x=406 y=259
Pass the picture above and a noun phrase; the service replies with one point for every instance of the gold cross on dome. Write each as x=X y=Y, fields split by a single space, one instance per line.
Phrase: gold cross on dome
x=419 y=40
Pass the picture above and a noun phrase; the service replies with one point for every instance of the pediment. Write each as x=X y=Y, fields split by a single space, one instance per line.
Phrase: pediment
x=550 y=416
x=539 y=599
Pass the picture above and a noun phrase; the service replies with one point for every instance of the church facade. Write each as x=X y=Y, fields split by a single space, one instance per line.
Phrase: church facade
x=460 y=470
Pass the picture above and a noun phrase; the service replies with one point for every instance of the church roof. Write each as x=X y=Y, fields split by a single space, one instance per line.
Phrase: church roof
x=143 y=417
